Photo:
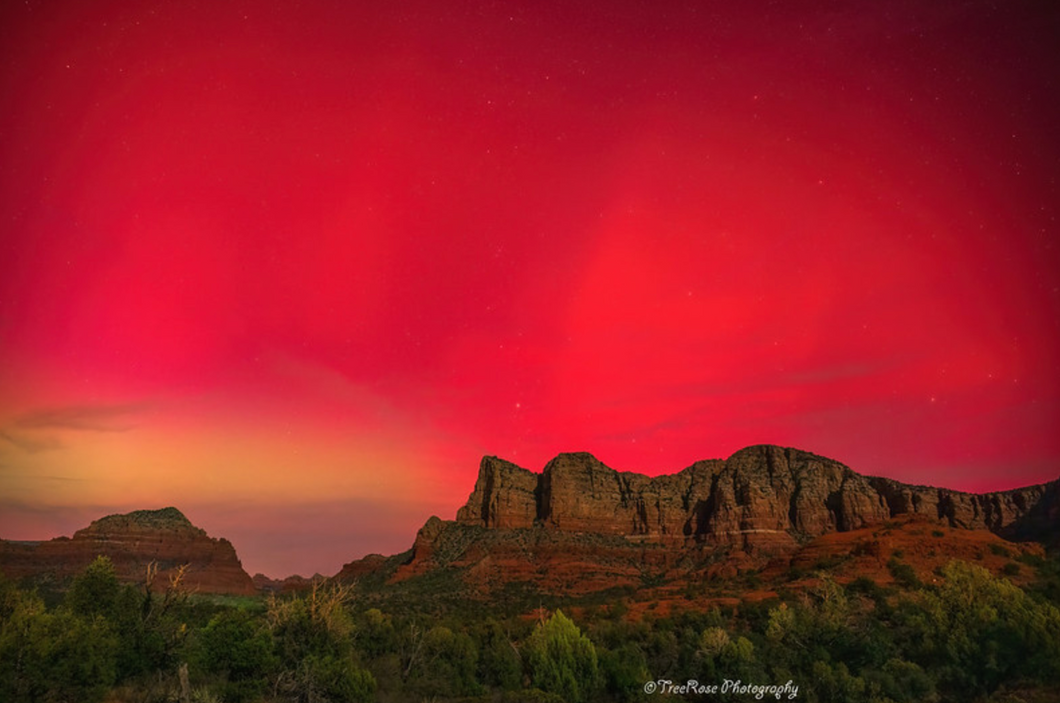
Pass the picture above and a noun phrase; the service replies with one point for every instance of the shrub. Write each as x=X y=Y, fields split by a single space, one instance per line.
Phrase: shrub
x=903 y=574
x=562 y=660
x=498 y=662
x=54 y=656
x=96 y=590
x=1000 y=550
x=234 y=647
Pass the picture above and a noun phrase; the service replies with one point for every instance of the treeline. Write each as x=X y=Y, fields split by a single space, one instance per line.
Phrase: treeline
x=971 y=636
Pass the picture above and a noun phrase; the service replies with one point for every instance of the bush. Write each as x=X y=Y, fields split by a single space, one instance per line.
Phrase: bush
x=562 y=660
x=448 y=664
x=903 y=574
x=234 y=648
x=498 y=662
x=96 y=590
x=979 y=631
x=54 y=656
x=624 y=672
x=314 y=646
x=340 y=679
x=999 y=550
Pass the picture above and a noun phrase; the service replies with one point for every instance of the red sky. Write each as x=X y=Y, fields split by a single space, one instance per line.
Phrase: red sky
x=294 y=268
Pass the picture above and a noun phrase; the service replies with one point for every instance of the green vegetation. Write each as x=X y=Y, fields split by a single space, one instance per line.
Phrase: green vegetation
x=562 y=660
x=903 y=573
x=968 y=636
x=1000 y=550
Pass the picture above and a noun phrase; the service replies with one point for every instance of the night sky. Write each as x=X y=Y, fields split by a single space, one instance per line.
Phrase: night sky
x=295 y=267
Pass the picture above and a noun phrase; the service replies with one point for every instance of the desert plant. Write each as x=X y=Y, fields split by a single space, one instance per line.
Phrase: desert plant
x=562 y=660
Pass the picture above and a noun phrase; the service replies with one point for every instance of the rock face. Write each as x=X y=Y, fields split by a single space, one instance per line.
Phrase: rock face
x=505 y=495
x=761 y=496
x=579 y=526
x=131 y=542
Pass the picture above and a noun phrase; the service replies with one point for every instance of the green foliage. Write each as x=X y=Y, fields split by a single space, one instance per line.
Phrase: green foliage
x=562 y=660
x=335 y=678
x=313 y=639
x=978 y=631
x=1000 y=550
x=866 y=586
x=1032 y=560
x=54 y=656
x=10 y=597
x=316 y=623
x=663 y=652
x=903 y=573
x=96 y=590
x=1047 y=576
x=827 y=563
x=499 y=663
x=624 y=672
x=834 y=682
x=901 y=681
x=235 y=648
x=713 y=642
x=151 y=625
x=376 y=634
x=448 y=664
x=970 y=637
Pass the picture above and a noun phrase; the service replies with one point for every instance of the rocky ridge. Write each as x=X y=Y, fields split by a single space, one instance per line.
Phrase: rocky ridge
x=132 y=541
x=579 y=521
x=761 y=496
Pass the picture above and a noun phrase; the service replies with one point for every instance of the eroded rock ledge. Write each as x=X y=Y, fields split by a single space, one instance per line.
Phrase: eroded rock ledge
x=761 y=496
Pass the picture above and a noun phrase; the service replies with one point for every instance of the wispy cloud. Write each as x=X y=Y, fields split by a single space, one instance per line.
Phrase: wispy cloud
x=30 y=445
x=36 y=431
x=88 y=418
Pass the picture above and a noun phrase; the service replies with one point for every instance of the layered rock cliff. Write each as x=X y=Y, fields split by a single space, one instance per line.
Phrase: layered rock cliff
x=579 y=526
x=760 y=496
x=132 y=541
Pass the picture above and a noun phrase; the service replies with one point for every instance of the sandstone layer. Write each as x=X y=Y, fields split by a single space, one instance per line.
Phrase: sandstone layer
x=581 y=526
x=761 y=496
x=133 y=541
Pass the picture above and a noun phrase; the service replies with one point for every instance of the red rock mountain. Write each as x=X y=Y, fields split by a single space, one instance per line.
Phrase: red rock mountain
x=581 y=526
x=133 y=541
x=761 y=497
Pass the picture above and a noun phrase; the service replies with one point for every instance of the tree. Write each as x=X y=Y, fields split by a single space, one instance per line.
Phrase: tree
x=624 y=672
x=499 y=663
x=316 y=623
x=562 y=660
x=151 y=624
x=376 y=635
x=54 y=656
x=234 y=648
x=448 y=664
x=314 y=643
x=95 y=591
x=979 y=631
